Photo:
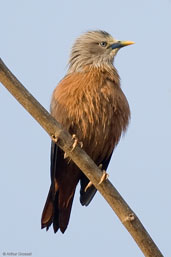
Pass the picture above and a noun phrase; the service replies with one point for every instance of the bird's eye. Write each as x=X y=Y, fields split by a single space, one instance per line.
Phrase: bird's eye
x=103 y=43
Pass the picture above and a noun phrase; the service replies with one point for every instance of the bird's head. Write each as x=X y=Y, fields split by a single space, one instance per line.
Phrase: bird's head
x=94 y=48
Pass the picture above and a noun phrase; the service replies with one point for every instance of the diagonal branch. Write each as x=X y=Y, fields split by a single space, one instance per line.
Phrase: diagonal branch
x=82 y=160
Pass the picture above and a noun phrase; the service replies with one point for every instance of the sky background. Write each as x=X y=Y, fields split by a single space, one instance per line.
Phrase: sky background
x=36 y=38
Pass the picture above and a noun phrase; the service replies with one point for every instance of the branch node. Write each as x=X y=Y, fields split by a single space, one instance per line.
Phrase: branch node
x=54 y=138
x=130 y=218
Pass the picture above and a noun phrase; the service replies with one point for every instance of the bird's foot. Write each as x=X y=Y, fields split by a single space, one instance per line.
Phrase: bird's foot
x=104 y=176
x=76 y=142
x=66 y=155
x=88 y=185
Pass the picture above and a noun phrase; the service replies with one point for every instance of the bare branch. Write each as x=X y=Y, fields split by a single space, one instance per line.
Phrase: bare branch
x=82 y=160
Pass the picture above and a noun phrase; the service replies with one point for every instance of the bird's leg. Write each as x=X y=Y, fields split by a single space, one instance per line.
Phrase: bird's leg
x=104 y=176
x=74 y=137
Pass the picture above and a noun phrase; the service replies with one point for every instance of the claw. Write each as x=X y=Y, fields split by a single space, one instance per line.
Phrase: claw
x=88 y=185
x=65 y=155
x=75 y=142
x=81 y=144
x=74 y=137
x=104 y=176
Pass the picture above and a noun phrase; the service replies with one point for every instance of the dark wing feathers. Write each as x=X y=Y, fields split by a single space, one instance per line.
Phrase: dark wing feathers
x=64 y=179
x=86 y=197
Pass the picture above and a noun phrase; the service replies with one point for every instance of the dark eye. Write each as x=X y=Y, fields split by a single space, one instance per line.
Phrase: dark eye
x=103 y=43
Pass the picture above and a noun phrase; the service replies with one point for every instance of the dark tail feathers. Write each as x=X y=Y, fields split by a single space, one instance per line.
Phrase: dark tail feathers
x=55 y=214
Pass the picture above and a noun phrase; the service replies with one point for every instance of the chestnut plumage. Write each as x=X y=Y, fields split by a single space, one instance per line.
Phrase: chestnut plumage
x=89 y=103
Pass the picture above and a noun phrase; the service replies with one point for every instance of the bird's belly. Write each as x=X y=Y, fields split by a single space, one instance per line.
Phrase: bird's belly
x=97 y=115
x=99 y=133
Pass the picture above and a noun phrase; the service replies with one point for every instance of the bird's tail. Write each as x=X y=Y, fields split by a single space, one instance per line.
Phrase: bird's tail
x=57 y=210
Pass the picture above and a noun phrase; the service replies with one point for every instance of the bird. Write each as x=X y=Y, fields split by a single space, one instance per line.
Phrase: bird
x=90 y=104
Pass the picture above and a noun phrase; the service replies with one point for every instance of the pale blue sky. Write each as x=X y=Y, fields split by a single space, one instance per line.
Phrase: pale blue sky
x=36 y=38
